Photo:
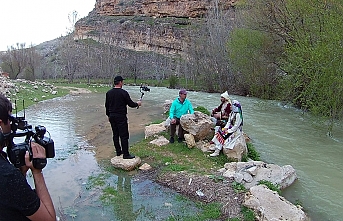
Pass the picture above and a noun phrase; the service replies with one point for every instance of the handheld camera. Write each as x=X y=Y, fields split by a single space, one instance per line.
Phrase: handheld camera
x=16 y=151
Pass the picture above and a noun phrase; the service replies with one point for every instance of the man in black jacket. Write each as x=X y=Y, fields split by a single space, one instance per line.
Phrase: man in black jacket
x=18 y=200
x=117 y=100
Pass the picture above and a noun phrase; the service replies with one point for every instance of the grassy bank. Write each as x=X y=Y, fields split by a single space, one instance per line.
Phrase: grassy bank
x=26 y=93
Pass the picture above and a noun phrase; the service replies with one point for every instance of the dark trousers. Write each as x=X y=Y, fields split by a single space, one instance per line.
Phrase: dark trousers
x=120 y=130
x=181 y=131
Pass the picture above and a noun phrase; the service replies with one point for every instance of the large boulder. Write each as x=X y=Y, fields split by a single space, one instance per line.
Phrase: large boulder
x=250 y=173
x=239 y=149
x=154 y=129
x=126 y=164
x=269 y=206
x=189 y=138
x=160 y=141
x=197 y=124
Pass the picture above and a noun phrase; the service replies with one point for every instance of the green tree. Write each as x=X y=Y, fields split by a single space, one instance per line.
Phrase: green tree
x=309 y=62
x=254 y=69
x=313 y=57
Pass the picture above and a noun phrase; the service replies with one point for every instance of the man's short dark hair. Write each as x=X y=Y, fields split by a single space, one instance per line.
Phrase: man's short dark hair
x=5 y=107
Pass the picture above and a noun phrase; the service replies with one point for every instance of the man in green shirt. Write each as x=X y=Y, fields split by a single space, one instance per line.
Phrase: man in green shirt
x=180 y=106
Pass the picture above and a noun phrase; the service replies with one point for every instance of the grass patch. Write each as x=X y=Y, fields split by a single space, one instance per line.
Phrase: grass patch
x=270 y=186
x=248 y=214
x=177 y=157
x=252 y=153
x=210 y=211
x=26 y=93
x=238 y=187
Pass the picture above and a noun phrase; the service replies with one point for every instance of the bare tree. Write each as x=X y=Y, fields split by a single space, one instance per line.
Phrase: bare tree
x=33 y=62
x=15 y=60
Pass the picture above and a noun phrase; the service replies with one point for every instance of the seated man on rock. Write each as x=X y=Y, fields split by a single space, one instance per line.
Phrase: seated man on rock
x=222 y=112
x=180 y=106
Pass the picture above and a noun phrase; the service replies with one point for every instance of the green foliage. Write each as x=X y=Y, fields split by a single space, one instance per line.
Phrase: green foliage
x=209 y=211
x=216 y=178
x=173 y=81
x=248 y=214
x=270 y=186
x=313 y=57
x=252 y=153
x=246 y=49
x=97 y=181
x=202 y=110
x=238 y=187
x=298 y=203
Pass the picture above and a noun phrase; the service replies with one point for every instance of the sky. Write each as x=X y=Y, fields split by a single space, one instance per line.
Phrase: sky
x=36 y=21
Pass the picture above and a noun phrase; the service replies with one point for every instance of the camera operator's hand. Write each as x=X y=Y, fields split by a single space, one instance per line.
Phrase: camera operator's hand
x=37 y=152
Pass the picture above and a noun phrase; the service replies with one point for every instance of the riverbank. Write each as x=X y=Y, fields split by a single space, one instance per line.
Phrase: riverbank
x=196 y=97
x=197 y=173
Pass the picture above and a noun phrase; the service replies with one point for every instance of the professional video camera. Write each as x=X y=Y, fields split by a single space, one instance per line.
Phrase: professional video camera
x=16 y=152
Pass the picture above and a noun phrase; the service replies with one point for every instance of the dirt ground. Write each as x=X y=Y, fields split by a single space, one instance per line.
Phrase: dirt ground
x=196 y=187
x=201 y=188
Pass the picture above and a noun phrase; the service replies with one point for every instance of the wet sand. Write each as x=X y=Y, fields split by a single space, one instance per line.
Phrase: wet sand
x=99 y=135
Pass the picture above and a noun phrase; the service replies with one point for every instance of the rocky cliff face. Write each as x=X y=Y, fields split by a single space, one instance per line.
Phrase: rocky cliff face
x=162 y=26
x=158 y=8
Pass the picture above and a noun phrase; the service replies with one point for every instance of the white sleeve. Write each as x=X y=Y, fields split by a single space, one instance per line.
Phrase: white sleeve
x=238 y=122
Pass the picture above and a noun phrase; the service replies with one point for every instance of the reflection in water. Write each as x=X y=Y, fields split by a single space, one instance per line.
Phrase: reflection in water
x=123 y=209
x=281 y=134
x=68 y=175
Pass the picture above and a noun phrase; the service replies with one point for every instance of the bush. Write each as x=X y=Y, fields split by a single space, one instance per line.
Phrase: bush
x=202 y=110
x=173 y=81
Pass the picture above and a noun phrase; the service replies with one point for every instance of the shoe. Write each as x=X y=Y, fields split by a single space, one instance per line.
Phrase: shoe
x=215 y=153
x=128 y=156
x=212 y=147
x=171 y=140
x=118 y=154
x=179 y=140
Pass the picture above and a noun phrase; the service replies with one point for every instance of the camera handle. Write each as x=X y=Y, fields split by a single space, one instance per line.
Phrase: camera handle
x=39 y=163
x=142 y=94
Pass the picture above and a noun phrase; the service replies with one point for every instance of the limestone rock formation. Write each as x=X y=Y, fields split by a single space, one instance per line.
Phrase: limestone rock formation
x=160 y=8
x=126 y=164
x=190 y=140
x=239 y=149
x=250 y=173
x=154 y=129
x=160 y=141
x=197 y=124
x=145 y=25
x=268 y=205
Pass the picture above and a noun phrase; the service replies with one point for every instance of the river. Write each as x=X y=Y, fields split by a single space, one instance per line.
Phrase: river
x=281 y=134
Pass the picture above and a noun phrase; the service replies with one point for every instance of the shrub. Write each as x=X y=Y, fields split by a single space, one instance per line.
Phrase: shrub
x=202 y=110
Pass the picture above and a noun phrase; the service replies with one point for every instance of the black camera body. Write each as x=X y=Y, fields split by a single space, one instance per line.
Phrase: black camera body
x=16 y=152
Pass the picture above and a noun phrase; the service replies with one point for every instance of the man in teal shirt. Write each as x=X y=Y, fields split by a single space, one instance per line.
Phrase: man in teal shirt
x=179 y=107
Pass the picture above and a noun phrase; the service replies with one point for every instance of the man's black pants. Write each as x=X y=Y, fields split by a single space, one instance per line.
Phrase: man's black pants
x=120 y=130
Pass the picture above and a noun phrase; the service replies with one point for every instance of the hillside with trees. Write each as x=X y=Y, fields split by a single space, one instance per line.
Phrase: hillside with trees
x=285 y=50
